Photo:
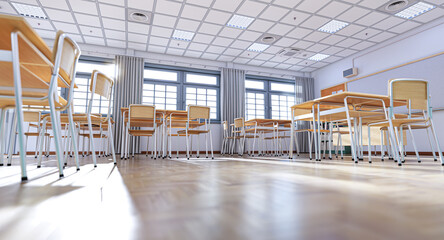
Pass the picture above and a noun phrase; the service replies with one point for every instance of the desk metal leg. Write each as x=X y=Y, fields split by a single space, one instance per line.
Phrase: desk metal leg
x=315 y=133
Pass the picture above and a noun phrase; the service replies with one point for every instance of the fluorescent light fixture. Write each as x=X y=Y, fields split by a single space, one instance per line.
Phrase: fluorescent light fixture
x=183 y=35
x=319 y=57
x=258 y=47
x=333 y=26
x=415 y=10
x=241 y=22
x=29 y=11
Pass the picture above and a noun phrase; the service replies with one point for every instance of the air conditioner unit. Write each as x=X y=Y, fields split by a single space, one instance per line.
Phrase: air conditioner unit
x=350 y=72
x=289 y=52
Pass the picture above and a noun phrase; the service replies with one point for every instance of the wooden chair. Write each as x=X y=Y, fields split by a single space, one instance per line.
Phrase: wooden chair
x=240 y=133
x=226 y=138
x=40 y=73
x=196 y=114
x=140 y=115
x=416 y=93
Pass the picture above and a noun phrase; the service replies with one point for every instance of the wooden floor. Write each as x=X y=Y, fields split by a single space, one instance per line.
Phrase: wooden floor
x=226 y=198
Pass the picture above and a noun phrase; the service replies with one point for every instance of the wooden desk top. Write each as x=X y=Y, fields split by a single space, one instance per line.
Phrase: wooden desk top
x=266 y=122
x=161 y=112
x=337 y=100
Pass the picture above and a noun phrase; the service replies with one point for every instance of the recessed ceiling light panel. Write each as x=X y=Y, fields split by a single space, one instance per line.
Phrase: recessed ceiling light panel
x=333 y=26
x=319 y=57
x=415 y=10
x=183 y=35
x=258 y=47
x=29 y=11
x=241 y=22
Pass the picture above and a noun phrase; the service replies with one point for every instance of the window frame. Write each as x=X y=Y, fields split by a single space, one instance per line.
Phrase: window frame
x=182 y=84
x=268 y=92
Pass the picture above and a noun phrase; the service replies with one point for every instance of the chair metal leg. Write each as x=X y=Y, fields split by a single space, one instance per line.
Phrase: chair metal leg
x=72 y=129
x=432 y=125
x=414 y=143
x=2 y=136
x=91 y=140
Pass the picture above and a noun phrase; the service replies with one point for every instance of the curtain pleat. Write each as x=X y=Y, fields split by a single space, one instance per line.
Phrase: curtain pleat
x=232 y=94
x=128 y=90
x=306 y=94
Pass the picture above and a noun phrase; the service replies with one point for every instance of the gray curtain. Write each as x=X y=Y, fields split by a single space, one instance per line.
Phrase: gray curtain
x=304 y=92
x=127 y=90
x=232 y=94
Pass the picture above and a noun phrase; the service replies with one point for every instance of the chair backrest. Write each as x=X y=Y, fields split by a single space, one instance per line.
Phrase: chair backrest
x=239 y=122
x=141 y=111
x=414 y=91
x=101 y=84
x=225 y=125
x=198 y=112
x=31 y=116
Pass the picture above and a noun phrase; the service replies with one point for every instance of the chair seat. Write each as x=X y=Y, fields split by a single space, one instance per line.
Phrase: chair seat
x=342 y=132
x=193 y=132
x=140 y=133
x=95 y=135
x=312 y=130
x=398 y=122
x=34 y=134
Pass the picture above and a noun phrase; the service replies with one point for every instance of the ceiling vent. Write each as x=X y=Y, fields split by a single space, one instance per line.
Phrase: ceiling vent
x=290 y=52
x=135 y=15
x=396 y=6
x=267 y=38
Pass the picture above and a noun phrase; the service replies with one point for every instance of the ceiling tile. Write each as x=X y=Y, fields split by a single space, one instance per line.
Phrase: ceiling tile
x=285 y=42
x=315 y=22
x=332 y=59
x=204 y=3
x=353 y=14
x=312 y=6
x=91 y=31
x=168 y=7
x=388 y=23
x=295 y=18
x=256 y=62
x=431 y=15
x=367 y=33
x=159 y=41
x=316 y=36
x=188 y=25
x=226 y=58
x=118 y=35
x=250 y=36
x=156 y=49
x=138 y=28
x=270 y=64
x=303 y=44
x=230 y=32
x=164 y=21
x=94 y=40
x=203 y=38
x=293 y=61
x=112 y=11
x=179 y=44
x=332 y=50
x=193 y=54
x=210 y=28
x=264 y=56
x=193 y=12
x=217 y=17
x=66 y=27
x=372 y=18
x=138 y=38
x=382 y=37
x=317 y=47
x=40 y=23
x=250 y=8
x=146 y=5
x=373 y=3
x=333 y=9
x=116 y=43
x=280 y=29
x=114 y=2
x=350 y=30
x=59 y=15
x=348 y=42
x=215 y=49
x=274 y=13
x=114 y=24
x=233 y=52
x=5 y=7
x=137 y=46
x=47 y=34
x=241 y=60
x=226 y=5
x=221 y=41
x=161 y=31
x=174 y=51
x=55 y=4
x=333 y=39
x=403 y=27
x=362 y=45
x=210 y=56
x=87 y=20
x=83 y=6
x=197 y=46
x=287 y=3
x=299 y=33
x=260 y=25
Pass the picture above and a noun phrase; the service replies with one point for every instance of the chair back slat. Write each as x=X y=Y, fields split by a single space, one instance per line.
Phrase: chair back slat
x=139 y=111
x=69 y=56
x=225 y=124
x=413 y=90
x=31 y=116
x=198 y=112
x=103 y=84
x=239 y=122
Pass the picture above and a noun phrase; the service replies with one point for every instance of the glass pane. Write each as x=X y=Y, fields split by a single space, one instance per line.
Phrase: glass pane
x=211 y=92
x=282 y=87
x=201 y=79
x=191 y=90
x=254 y=84
x=160 y=75
x=172 y=89
x=201 y=91
x=160 y=88
x=147 y=86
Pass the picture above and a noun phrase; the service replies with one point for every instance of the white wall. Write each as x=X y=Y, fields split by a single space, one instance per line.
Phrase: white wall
x=422 y=42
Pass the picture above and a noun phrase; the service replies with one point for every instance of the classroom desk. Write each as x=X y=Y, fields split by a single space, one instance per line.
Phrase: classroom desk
x=261 y=126
x=354 y=108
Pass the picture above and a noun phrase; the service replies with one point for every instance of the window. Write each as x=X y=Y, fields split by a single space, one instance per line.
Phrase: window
x=176 y=88
x=82 y=95
x=270 y=98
